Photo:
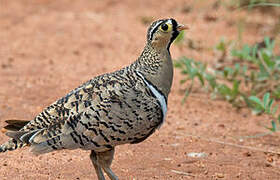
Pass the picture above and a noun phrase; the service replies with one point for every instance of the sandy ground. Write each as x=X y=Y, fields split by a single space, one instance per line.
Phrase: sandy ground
x=49 y=47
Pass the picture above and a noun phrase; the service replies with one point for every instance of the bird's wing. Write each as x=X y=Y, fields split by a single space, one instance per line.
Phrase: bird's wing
x=52 y=117
x=100 y=116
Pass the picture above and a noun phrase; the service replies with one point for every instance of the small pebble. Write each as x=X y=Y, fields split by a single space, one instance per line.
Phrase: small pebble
x=197 y=155
x=220 y=175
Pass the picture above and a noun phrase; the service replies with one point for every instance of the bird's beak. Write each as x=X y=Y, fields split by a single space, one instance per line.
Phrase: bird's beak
x=182 y=27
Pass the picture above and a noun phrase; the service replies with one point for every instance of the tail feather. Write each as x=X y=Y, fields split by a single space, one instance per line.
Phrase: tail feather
x=40 y=140
x=14 y=143
x=11 y=145
x=15 y=134
x=15 y=125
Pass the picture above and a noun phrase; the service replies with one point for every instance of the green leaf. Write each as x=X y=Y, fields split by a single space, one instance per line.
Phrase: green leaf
x=201 y=79
x=273 y=124
x=224 y=89
x=266 y=100
x=257 y=111
x=180 y=38
x=211 y=80
x=268 y=43
x=256 y=100
x=236 y=70
x=177 y=64
x=221 y=46
x=235 y=90
x=254 y=52
x=273 y=111
x=225 y=73
x=183 y=81
x=267 y=59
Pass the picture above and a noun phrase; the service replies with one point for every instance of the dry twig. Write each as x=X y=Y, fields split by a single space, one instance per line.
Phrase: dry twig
x=182 y=173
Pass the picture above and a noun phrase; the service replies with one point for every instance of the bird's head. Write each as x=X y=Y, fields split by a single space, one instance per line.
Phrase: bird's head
x=162 y=33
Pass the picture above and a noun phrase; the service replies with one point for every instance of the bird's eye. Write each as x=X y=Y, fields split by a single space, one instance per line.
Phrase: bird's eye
x=164 y=27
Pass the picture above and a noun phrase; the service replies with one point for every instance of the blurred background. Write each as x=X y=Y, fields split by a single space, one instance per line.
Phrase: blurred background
x=223 y=116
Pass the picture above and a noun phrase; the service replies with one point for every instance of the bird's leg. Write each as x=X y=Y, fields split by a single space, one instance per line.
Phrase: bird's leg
x=105 y=160
x=93 y=157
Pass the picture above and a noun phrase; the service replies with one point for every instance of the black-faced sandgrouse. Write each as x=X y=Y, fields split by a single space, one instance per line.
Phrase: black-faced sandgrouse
x=125 y=106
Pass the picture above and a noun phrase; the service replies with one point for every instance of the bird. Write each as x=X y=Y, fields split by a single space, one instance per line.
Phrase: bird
x=122 y=107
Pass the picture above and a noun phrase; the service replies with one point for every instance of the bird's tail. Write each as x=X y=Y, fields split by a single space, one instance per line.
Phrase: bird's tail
x=40 y=140
x=12 y=144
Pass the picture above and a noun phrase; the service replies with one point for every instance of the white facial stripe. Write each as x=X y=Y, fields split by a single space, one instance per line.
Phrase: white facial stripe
x=169 y=22
x=160 y=97
x=152 y=30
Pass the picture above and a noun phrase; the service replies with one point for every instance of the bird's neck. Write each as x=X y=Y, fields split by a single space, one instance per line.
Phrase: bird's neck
x=157 y=67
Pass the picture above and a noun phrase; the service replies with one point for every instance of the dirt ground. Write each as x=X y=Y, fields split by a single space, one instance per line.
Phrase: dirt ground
x=49 y=47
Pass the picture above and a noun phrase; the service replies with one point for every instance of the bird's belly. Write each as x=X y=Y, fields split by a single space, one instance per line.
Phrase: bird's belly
x=133 y=123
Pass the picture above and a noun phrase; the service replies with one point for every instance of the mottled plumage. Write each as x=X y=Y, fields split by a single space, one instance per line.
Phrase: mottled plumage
x=125 y=106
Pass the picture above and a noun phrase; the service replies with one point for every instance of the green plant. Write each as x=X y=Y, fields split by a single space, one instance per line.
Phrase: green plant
x=257 y=67
x=263 y=106
x=266 y=106
x=222 y=47
x=251 y=73
x=180 y=38
x=193 y=70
